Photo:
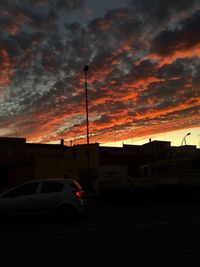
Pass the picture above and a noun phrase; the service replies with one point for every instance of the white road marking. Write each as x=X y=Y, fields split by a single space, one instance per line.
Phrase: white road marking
x=155 y=223
x=75 y=231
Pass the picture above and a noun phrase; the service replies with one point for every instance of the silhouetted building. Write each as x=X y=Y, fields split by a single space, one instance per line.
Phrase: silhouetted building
x=21 y=161
x=12 y=160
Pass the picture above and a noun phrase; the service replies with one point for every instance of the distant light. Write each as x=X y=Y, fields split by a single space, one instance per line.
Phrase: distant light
x=188 y=134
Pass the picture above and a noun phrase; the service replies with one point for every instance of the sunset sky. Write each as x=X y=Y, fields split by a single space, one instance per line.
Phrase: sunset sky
x=143 y=81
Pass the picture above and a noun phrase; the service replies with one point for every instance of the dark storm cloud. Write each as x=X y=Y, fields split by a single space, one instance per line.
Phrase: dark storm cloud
x=5 y=21
x=117 y=26
x=174 y=86
x=42 y=14
x=110 y=19
x=145 y=69
x=161 y=10
x=156 y=16
x=186 y=36
x=103 y=119
x=70 y=4
x=176 y=96
x=174 y=70
x=38 y=50
x=196 y=76
x=74 y=29
x=43 y=21
x=165 y=89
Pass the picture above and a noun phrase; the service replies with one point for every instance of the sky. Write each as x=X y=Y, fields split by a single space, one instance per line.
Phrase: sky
x=143 y=78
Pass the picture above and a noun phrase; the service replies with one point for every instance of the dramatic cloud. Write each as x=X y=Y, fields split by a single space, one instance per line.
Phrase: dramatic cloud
x=185 y=37
x=144 y=58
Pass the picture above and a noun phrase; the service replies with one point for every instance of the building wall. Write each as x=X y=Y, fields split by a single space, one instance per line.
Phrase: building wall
x=12 y=155
x=64 y=162
x=21 y=161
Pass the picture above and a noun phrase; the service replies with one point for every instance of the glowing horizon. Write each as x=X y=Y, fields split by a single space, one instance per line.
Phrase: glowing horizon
x=175 y=137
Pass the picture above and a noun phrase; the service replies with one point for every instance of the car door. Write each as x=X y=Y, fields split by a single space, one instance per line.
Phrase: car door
x=19 y=200
x=49 y=196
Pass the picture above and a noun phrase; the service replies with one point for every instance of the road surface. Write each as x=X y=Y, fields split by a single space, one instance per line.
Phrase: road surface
x=140 y=234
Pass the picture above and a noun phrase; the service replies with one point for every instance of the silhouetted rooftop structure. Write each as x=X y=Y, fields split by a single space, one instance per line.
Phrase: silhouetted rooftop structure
x=157 y=143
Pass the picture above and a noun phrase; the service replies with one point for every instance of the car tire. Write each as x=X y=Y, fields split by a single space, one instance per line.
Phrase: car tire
x=67 y=213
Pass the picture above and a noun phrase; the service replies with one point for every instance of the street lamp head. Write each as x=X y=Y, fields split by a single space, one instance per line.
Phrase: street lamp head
x=184 y=138
x=86 y=68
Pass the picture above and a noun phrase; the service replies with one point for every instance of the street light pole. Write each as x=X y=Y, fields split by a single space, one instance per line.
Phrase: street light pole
x=184 y=138
x=85 y=69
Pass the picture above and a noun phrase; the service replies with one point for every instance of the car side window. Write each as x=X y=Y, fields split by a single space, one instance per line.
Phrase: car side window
x=24 y=190
x=51 y=187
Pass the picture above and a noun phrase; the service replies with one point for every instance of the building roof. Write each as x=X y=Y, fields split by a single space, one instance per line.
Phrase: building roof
x=15 y=139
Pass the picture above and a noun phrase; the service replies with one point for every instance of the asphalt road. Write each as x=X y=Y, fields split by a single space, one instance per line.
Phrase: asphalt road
x=140 y=234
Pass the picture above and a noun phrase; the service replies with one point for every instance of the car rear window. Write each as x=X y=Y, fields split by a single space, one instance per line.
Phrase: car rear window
x=51 y=187
x=75 y=185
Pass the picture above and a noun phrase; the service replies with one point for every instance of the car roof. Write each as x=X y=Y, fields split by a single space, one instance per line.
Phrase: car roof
x=51 y=180
x=65 y=180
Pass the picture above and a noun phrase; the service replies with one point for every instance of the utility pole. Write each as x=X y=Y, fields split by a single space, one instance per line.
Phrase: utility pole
x=85 y=69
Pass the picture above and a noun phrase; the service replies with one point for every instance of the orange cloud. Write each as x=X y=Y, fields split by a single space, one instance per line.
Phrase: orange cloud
x=5 y=69
x=126 y=46
x=169 y=59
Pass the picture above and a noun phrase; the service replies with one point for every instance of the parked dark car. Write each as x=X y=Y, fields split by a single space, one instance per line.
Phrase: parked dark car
x=64 y=198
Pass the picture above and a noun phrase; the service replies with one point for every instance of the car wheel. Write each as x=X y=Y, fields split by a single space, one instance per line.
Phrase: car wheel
x=67 y=212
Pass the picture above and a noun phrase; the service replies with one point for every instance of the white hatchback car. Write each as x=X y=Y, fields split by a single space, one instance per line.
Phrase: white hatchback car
x=62 y=197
